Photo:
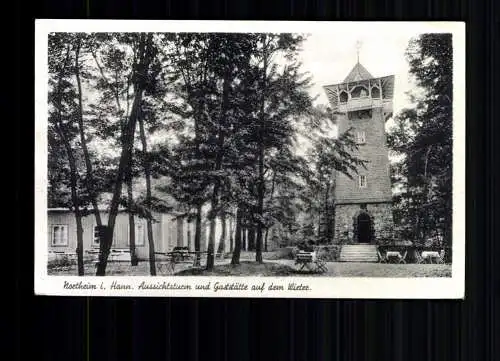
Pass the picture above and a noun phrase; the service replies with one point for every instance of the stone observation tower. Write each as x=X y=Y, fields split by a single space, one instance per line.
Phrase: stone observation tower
x=363 y=103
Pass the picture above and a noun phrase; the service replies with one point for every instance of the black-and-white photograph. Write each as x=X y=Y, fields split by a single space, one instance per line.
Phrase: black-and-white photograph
x=299 y=154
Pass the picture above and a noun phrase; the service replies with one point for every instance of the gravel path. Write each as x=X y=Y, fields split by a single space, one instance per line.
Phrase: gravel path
x=353 y=269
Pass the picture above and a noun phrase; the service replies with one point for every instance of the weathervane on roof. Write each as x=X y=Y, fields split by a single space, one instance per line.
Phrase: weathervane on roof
x=359 y=44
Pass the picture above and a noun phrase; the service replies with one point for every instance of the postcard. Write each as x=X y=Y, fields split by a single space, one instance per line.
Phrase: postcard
x=250 y=159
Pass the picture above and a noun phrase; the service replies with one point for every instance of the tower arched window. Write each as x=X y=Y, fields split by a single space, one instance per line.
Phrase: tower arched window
x=359 y=92
x=375 y=92
x=343 y=97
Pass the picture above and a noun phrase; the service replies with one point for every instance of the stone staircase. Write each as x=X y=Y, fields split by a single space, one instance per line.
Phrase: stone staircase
x=358 y=253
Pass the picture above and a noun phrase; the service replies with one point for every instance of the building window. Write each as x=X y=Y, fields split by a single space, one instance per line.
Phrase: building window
x=362 y=181
x=361 y=137
x=60 y=235
x=96 y=237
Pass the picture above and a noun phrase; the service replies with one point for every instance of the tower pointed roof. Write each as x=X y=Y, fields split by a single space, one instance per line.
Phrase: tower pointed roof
x=358 y=73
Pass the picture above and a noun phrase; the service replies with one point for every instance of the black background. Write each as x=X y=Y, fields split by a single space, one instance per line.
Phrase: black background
x=67 y=328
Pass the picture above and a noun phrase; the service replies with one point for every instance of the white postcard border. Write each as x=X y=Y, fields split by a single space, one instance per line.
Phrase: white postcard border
x=319 y=287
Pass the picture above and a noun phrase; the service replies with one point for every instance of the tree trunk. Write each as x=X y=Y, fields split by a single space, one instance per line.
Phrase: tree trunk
x=218 y=167
x=270 y=205
x=147 y=172
x=152 y=260
x=140 y=70
x=260 y=209
x=244 y=238
x=188 y=225
x=79 y=248
x=231 y=232
x=237 y=240
x=73 y=175
x=427 y=193
x=222 y=243
x=107 y=236
x=131 y=219
x=130 y=201
x=74 y=196
x=260 y=183
x=251 y=238
x=265 y=239
x=130 y=188
x=90 y=183
x=319 y=225
x=78 y=216
x=211 y=232
x=197 y=236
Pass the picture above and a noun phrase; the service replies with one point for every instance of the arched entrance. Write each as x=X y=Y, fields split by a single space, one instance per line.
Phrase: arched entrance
x=363 y=228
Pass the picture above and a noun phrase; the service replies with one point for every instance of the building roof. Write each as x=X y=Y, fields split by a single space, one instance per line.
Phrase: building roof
x=101 y=209
x=105 y=210
x=358 y=73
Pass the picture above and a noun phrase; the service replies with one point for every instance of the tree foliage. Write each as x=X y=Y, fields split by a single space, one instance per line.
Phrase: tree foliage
x=422 y=138
x=207 y=123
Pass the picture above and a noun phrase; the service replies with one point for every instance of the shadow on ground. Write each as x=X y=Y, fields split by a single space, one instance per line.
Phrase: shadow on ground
x=245 y=268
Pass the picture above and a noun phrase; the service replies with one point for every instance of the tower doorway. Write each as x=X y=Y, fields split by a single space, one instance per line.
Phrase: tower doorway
x=364 y=228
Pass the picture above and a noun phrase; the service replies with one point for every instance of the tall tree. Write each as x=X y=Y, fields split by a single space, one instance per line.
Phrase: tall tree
x=422 y=138
x=147 y=173
x=222 y=241
x=282 y=95
x=225 y=69
x=212 y=68
x=114 y=64
x=186 y=164
x=61 y=119
x=90 y=181
x=151 y=121
x=145 y=54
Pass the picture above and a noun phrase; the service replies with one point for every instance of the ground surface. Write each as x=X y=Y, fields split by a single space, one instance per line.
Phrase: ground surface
x=335 y=269
x=271 y=268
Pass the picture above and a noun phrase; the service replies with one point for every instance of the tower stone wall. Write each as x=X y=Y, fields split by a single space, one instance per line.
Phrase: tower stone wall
x=374 y=151
x=345 y=218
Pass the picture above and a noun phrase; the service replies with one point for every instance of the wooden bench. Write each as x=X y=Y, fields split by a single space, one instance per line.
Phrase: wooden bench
x=432 y=256
x=166 y=261
x=181 y=254
x=308 y=260
x=381 y=258
x=396 y=256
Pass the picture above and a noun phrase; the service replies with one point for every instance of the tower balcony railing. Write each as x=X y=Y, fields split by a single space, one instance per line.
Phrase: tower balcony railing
x=354 y=104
